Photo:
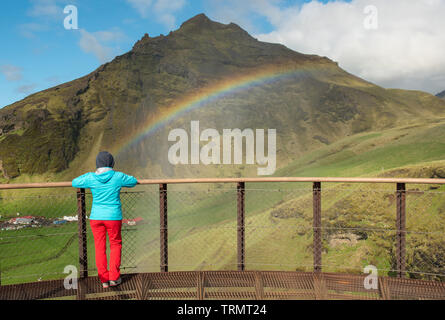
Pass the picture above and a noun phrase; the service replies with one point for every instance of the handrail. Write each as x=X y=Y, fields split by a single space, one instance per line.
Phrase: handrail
x=239 y=180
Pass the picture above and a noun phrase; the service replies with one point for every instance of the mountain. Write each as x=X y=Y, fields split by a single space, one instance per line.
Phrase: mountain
x=441 y=95
x=217 y=74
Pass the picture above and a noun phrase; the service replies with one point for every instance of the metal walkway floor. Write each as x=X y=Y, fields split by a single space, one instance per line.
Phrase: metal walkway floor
x=250 y=285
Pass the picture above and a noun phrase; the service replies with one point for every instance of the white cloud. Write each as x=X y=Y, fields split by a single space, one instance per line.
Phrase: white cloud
x=244 y=12
x=46 y=15
x=114 y=35
x=142 y=6
x=168 y=5
x=46 y=8
x=163 y=10
x=406 y=51
x=26 y=89
x=95 y=43
x=11 y=73
x=90 y=44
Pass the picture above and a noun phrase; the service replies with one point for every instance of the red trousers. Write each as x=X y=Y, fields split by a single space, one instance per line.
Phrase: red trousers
x=100 y=230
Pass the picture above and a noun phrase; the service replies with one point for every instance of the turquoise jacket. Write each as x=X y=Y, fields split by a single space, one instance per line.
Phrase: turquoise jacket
x=106 y=189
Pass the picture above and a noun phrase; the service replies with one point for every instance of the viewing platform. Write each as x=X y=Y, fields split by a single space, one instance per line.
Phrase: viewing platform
x=237 y=238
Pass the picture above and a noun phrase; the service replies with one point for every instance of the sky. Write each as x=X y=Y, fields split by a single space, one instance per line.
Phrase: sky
x=394 y=44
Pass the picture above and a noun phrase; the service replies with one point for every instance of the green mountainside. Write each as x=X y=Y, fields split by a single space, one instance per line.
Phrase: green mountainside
x=56 y=133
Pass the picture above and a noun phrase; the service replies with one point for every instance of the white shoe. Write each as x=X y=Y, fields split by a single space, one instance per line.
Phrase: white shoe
x=115 y=283
x=105 y=285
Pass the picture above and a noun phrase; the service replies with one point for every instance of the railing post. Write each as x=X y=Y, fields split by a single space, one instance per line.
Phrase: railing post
x=240 y=229
x=81 y=214
x=316 y=191
x=163 y=225
x=259 y=285
x=200 y=286
x=401 y=230
x=83 y=253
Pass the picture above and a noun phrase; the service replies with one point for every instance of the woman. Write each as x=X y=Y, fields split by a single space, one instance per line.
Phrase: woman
x=106 y=214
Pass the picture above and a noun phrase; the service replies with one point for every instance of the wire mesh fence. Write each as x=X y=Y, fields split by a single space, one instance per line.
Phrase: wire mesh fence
x=39 y=230
x=38 y=237
x=358 y=228
x=140 y=231
x=202 y=229
x=279 y=232
x=425 y=240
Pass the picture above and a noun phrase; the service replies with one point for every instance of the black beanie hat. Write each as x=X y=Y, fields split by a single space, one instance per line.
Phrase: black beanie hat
x=104 y=160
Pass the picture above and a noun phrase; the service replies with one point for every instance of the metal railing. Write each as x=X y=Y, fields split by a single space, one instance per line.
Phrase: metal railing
x=288 y=225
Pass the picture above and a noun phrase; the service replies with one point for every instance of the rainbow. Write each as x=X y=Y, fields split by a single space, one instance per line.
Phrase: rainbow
x=207 y=95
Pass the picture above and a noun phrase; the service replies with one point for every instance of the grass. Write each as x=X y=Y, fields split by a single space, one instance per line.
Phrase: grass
x=370 y=154
x=30 y=254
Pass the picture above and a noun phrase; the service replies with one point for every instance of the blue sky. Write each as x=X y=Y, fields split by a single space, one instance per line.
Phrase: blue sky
x=38 y=52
